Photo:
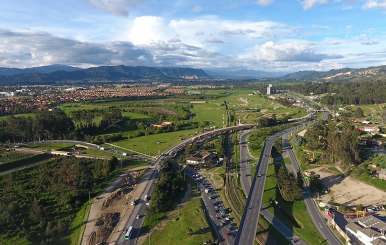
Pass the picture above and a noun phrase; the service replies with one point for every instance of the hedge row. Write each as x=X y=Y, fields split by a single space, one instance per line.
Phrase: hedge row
x=23 y=161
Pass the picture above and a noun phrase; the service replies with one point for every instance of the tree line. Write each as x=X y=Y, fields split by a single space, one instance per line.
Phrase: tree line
x=55 y=125
x=357 y=93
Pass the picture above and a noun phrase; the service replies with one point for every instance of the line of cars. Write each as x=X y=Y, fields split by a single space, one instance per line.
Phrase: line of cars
x=218 y=211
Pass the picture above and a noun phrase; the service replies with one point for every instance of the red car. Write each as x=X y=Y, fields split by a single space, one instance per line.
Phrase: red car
x=227 y=234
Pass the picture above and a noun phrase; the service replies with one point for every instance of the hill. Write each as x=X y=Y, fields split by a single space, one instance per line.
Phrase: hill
x=4 y=71
x=104 y=73
x=340 y=75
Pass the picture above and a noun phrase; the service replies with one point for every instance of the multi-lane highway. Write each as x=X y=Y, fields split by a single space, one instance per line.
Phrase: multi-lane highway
x=249 y=221
x=248 y=225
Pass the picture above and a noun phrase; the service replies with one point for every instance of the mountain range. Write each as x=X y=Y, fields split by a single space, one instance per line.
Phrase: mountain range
x=46 y=75
x=62 y=73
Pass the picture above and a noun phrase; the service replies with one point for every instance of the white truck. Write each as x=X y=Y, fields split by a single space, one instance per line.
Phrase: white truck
x=206 y=190
x=124 y=154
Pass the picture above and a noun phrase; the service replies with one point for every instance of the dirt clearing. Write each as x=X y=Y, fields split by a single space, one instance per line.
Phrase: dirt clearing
x=348 y=190
x=302 y=132
x=113 y=207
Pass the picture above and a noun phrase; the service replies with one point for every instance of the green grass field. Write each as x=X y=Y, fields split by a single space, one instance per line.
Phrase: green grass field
x=209 y=112
x=296 y=210
x=150 y=145
x=381 y=184
x=192 y=227
x=19 y=115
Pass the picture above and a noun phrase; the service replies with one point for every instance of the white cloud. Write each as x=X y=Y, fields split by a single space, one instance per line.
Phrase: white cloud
x=264 y=2
x=308 y=34
x=349 y=27
x=197 y=9
x=174 y=40
x=289 y=35
x=370 y=31
x=268 y=34
x=117 y=7
x=230 y=33
x=336 y=42
x=370 y=42
x=380 y=5
x=293 y=51
x=320 y=27
x=30 y=48
x=147 y=28
x=365 y=40
x=286 y=27
x=309 y=4
x=213 y=40
x=200 y=33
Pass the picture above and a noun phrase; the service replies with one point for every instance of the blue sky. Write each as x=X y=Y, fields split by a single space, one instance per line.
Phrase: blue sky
x=266 y=35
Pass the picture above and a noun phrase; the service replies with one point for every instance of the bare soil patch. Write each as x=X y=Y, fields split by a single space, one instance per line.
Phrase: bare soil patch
x=302 y=132
x=113 y=207
x=263 y=110
x=348 y=190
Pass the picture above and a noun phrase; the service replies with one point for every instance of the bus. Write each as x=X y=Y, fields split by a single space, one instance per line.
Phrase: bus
x=128 y=233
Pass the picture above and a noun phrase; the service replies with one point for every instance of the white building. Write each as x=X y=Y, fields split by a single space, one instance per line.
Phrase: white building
x=369 y=230
x=269 y=89
x=200 y=157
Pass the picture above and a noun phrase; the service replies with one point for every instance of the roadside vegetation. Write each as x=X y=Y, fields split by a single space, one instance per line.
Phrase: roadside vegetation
x=293 y=214
x=192 y=227
x=38 y=204
x=169 y=190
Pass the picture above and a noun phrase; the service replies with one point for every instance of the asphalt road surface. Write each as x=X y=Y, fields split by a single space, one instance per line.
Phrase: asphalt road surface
x=249 y=221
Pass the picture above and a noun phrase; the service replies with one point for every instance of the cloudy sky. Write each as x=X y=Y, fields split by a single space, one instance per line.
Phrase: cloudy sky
x=266 y=35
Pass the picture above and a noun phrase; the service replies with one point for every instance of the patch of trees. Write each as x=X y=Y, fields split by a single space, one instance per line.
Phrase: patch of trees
x=357 y=93
x=40 y=202
x=297 y=140
x=146 y=129
x=288 y=185
x=170 y=184
x=284 y=102
x=46 y=125
x=340 y=141
x=278 y=145
x=106 y=138
x=58 y=125
x=183 y=113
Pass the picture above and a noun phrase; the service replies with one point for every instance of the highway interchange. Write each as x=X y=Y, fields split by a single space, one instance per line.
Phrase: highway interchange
x=255 y=190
